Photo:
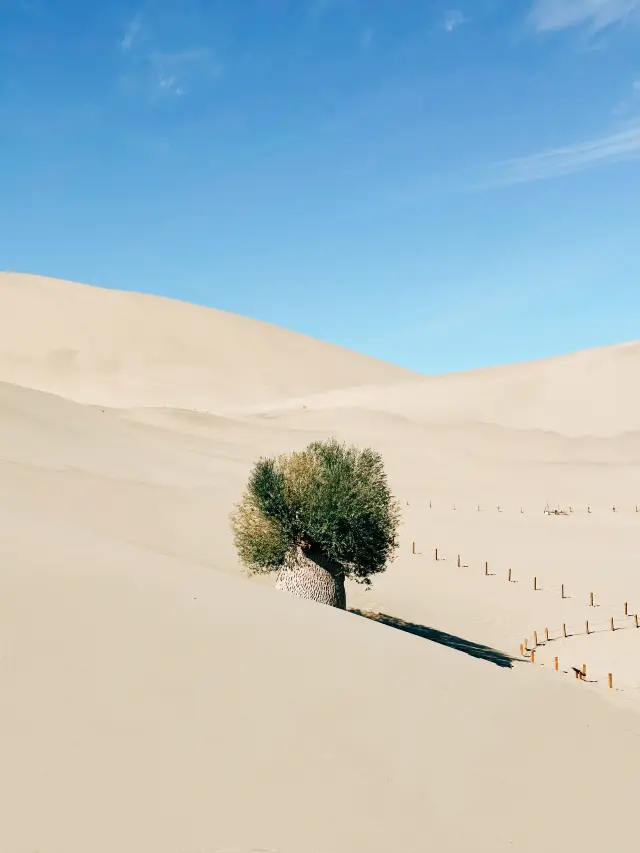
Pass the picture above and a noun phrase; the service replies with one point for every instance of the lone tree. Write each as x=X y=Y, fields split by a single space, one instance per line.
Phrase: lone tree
x=316 y=517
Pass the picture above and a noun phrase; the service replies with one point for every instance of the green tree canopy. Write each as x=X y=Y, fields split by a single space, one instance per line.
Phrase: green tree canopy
x=329 y=498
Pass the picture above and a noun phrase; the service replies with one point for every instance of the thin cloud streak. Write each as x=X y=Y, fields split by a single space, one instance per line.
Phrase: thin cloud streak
x=161 y=73
x=548 y=15
x=614 y=148
x=453 y=19
x=367 y=38
x=131 y=33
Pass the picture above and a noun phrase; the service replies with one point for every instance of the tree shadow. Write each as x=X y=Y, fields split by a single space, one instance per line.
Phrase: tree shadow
x=475 y=650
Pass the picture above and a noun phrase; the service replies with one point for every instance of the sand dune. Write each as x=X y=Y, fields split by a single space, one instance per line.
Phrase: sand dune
x=128 y=349
x=529 y=396
x=154 y=699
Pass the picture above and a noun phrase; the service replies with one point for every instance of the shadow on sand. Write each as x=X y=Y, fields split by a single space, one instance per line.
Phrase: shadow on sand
x=475 y=650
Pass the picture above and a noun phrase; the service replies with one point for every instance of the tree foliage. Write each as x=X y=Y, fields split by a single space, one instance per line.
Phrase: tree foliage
x=329 y=498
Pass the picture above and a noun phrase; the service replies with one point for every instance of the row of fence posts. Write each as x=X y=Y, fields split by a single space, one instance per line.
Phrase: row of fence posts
x=536 y=588
x=580 y=673
x=565 y=635
x=546 y=511
x=524 y=646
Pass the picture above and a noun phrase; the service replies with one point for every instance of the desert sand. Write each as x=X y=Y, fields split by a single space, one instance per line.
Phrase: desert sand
x=156 y=700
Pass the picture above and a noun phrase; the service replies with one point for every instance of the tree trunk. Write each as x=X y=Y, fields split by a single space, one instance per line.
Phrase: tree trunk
x=309 y=574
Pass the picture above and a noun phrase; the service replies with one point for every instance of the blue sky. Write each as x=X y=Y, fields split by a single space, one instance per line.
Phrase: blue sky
x=443 y=185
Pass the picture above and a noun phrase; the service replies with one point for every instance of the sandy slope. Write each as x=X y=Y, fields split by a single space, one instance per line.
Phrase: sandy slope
x=155 y=700
x=127 y=349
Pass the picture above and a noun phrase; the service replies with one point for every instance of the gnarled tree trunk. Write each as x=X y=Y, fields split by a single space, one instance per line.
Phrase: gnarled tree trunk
x=309 y=574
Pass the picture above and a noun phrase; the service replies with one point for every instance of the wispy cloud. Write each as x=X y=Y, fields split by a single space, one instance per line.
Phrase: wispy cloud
x=621 y=109
x=613 y=148
x=546 y=15
x=131 y=32
x=160 y=73
x=367 y=38
x=453 y=19
x=175 y=72
x=170 y=86
x=629 y=104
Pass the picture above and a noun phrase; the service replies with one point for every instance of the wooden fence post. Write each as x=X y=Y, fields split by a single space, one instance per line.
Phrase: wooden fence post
x=555 y=663
x=509 y=575
x=458 y=560
x=535 y=583
x=486 y=567
x=521 y=649
x=584 y=670
x=590 y=599
x=533 y=655
x=610 y=677
x=613 y=627
x=564 y=630
x=436 y=555
x=413 y=547
x=636 y=620
x=562 y=590
x=546 y=635
x=535 y=639
x=586 y=627
x=626 y=609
